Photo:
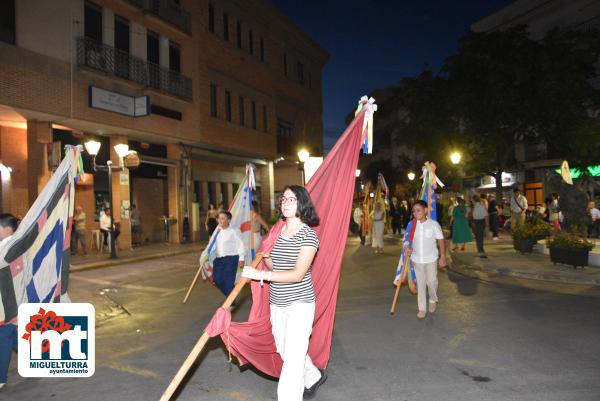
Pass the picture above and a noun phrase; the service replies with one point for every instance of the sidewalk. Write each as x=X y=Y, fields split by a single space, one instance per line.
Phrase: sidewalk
x=152 y=251
x=504 y=261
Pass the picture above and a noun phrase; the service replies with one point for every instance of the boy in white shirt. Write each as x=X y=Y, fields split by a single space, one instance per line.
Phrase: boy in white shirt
x=230 y=254
x=424 y=256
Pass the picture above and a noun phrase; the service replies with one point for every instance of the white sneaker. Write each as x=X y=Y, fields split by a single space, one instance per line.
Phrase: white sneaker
x=2 y=385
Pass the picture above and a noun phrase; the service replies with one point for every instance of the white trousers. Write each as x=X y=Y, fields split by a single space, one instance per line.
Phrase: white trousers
x=426 y=279
x=292 y=326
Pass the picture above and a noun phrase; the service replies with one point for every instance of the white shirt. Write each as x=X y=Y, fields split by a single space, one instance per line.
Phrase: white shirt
x=105 y=222
x=595 y=213
x=479 y=211
x=425 y=241
x=358 y=215
x=516 y=202
x=229 y=243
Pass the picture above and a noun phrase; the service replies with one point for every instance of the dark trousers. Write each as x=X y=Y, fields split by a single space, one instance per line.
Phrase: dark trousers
x=479 y=231
x=396 y=225
x=594 y=229
x=494 y=224
x=224 y=270
x=8 y=342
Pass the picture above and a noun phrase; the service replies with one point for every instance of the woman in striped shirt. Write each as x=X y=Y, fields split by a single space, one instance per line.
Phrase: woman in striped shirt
x=292 y=296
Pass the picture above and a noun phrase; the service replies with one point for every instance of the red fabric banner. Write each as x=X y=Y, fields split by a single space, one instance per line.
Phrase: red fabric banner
x=331 y=189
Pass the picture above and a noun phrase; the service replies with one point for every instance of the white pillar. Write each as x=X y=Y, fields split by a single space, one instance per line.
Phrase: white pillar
x=164 y=52
x=108 y=26
x=139 y=41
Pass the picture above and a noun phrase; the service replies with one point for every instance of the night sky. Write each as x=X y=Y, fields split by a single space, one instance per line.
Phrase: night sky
x=375 y=44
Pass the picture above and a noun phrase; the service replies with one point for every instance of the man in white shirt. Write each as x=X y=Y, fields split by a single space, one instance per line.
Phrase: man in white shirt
x=230 y=254
x=358 y=219
x=518 y=207
x=8 y=331
x=424 y=256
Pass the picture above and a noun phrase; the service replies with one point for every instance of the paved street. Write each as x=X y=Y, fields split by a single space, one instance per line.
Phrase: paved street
x=487 y=341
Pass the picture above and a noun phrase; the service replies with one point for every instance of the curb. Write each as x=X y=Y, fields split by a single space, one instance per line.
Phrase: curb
x=115 y=262
x=486 y=276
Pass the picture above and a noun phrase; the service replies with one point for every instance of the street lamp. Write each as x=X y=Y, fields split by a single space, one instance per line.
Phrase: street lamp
x=411 y=176
x=455 y=157
x=122 y=149
x=303 y=156
x=357 y=173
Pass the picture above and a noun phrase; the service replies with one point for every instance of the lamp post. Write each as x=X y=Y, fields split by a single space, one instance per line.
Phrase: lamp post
x=122 y=149
x=411 y=176
x=303 y=156
x=455 y=157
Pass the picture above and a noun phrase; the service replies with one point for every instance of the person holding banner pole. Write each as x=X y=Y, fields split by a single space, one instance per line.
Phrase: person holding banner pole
x=230 y=254
x=292 y=295
x=8 y=331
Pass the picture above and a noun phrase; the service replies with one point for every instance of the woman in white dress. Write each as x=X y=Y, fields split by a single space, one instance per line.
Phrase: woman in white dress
x=378 y=217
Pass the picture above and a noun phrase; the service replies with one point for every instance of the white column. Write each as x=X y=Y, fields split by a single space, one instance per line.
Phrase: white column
x=108 y=26
x=139 y=41
x=164 y=52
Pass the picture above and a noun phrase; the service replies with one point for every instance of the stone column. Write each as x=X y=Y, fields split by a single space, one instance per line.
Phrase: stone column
x=230 y=193
x=173 y=178
x=120 y=199
x=39 y=134
x=218 y=194
x=267 y=189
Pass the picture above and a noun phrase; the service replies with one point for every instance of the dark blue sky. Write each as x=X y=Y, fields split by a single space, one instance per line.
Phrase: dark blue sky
x=375 y=44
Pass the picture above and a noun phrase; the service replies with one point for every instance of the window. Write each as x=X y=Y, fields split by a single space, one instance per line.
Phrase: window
x=211 y=18
x=241 y=107
x=92 y=21
x=228 y=105
x=225 y=26
x=174 y=57
x=213 y=100
x=122 y=44
x=265 y=119
x=250 y=42
x=239 y=34
x=152 y=47
x=262 y=49
x=284 y=128
x=153 y=57
x=301 y=73
x=253 y=114
x=285 y=64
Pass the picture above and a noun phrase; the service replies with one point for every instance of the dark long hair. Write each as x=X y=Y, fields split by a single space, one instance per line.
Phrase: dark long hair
x=306 y=210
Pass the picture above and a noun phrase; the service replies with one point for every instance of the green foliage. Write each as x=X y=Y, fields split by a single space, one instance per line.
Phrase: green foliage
x=528 y=230
x=569 y=241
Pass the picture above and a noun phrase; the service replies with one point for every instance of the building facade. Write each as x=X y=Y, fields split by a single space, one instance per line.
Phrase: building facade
x=197 y=88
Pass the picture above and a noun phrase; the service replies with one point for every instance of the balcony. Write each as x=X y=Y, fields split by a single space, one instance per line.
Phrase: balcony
x=122 y=64
x=167 y=10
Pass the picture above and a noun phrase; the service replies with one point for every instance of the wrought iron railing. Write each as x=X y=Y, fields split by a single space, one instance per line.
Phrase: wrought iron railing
x=116 y=62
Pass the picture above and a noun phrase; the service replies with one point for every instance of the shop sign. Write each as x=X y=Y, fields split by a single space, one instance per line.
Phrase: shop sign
x=118 y=103
x=124 y=179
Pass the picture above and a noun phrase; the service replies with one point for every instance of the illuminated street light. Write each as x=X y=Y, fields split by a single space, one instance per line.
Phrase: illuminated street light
x=92 y=147
x=455 y=158
x=411 y=176
x=122 y=149
x=357 y=173
x=303 y=155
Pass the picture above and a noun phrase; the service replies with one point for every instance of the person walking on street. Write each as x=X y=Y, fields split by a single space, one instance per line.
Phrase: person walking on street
x=518 y=207
x=211 y=219
x=461 y=232
x=230 y=254
x=425 y=257
x=396 y=216
x=404 y=212
x=79 y=231
x=136 y=229
x=292 y=296
x=479 y=218
x=594 y=226
x=8 y=331
x=493 y=216
x=358 y=216
x=554 y=212
x=378 y=217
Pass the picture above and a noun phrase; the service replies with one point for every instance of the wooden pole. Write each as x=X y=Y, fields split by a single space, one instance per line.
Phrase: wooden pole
x=191 y=358
x=193 y=284
x=395 y=301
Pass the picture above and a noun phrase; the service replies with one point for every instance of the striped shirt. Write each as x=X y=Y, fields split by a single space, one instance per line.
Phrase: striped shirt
x=284 y=256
